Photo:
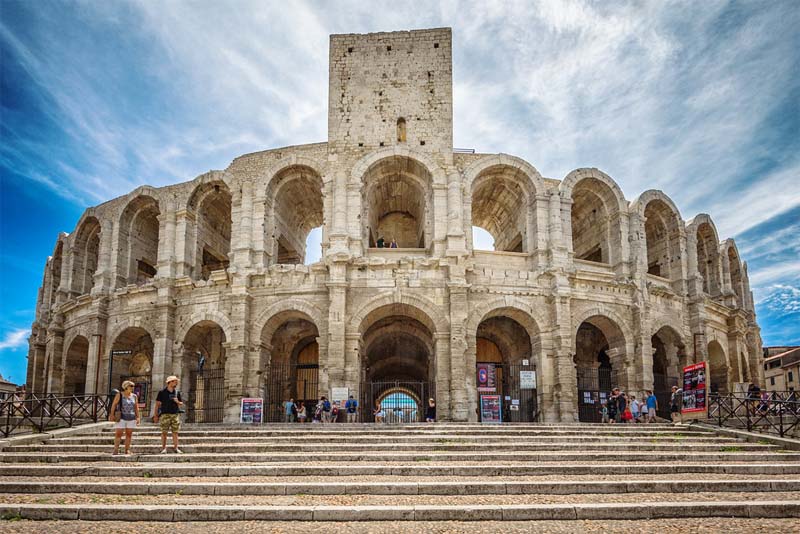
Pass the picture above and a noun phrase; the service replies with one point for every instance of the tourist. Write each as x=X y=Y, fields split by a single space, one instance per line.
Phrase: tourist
x=612 y=406
x=381 y=242
x=351 y=407
x=168 y=406
x=326 y=410
x=604 y=413
x=317 y=417
x=378 y=413
x=301 y=412
x=652 y=406
x=125 y=412
x=335 y=412
x=622 y=405
x=675 y=405
x=288 y=409
x=753 y=395
x=430 y=411
x=393 y=244
x=634 y=409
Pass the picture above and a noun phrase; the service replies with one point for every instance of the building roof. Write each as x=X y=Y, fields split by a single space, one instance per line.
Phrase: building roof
x=790 y=356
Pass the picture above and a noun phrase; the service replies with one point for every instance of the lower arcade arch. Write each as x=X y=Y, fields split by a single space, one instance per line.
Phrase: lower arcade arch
x=506 y=356
x=202 y=372
x=669 y=358
x=290 y=363
x=718 y=368
x=397 y=363
x=75 y=362
x=599 y=365
x=132 y=359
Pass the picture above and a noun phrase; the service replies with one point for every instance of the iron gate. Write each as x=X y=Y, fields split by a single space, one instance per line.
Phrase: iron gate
x=594 y=385
x=663 y=393
x=518 y=405
x=284 y=382
x=401 y=401
x=206 y=398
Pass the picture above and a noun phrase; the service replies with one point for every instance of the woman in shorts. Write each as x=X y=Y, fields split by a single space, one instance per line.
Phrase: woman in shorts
x=378 y=413
x=125 y=411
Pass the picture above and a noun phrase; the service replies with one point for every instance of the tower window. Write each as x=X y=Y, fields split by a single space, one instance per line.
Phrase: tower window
x=401 y=130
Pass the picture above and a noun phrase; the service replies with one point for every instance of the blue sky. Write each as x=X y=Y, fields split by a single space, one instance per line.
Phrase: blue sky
x=698 y=99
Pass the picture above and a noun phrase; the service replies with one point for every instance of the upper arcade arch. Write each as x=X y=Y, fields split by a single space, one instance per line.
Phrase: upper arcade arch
x=85 y=255
x=137 y=246
x=211 y=204
x=663 y=228
x=719 y=369
x=733 y=266
x=596 y=228
x=707 y=256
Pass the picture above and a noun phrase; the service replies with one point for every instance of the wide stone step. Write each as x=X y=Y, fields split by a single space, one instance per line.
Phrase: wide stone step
x=138 y=447
x=344 y=457
x=632 y=510
x=424 y=472
x=606 y=431
x=480 y=487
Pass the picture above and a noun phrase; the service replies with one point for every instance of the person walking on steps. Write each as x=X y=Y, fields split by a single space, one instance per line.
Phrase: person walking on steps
x=168 y=407
x=125 y=412
x=652 y=406
x=675 y=404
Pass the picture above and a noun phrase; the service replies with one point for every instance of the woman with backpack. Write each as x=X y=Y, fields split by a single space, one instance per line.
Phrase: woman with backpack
x=301 y=412
x=125 y=412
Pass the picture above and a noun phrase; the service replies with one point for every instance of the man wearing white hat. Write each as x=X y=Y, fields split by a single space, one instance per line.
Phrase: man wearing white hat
x=168 y=403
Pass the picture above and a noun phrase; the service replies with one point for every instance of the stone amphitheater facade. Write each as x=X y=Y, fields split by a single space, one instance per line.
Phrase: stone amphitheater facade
x=581 y=279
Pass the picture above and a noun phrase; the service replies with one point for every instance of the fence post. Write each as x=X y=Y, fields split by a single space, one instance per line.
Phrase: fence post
x=780 y=418
x=749 y=421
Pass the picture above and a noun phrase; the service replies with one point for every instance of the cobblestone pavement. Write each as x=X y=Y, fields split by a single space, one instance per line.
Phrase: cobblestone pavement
x=661 y=526
x=387 y=500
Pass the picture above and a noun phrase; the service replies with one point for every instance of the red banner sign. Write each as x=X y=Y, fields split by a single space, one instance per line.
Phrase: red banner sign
x=695 y=398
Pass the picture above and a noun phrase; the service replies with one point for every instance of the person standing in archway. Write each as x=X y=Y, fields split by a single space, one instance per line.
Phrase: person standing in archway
x=430 y=411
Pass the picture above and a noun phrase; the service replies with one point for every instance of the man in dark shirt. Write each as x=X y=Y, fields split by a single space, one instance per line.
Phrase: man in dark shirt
x=168 y=404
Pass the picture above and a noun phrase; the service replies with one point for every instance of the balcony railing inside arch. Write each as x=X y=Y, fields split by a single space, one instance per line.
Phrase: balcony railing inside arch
x=40 y=413
x=776 y=413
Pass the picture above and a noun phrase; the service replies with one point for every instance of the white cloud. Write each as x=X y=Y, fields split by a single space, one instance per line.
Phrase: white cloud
x=15 y=339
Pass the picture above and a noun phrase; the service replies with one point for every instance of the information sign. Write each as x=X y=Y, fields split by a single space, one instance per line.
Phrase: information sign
x=252 y=411
x=491 y=409
x=486 y=378
x=339 y=394
x=695 y=400
x=527 y=380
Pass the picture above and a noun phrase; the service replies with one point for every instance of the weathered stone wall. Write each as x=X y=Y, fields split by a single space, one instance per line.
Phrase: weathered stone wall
x=360 y=307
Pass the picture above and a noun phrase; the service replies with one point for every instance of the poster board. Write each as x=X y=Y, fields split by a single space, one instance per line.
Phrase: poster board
x=527 y=380
x=491 y=409
x=695 y=399
x=140 y=390
x=252 y=411
x=486 y=378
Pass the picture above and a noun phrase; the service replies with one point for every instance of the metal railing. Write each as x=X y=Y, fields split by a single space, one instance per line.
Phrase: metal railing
x=40 y=413
x=778 y=413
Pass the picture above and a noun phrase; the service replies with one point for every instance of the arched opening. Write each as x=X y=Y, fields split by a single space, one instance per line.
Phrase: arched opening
x=500 y=205
x=75 y=363
x=290 y=359
x=397 y=354
x=138 y=242
x=314 y=246
x=708 y=259
x=211 y=203
x=401 y=130
x=401 y=406
x=735 y=269
x=396 y=200
x=596 y=233
x=505 y=353
x=203 y=372
x=662 y=234
x=134 y=361
x=86 y=256
x=481 y=239
x=669 y=358
x=296 y=194
x=599 y=360
x=718 y=365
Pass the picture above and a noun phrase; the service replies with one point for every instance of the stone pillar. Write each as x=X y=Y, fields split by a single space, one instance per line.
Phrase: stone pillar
x=167 y=223
x=623 y=265
x=103 y=275
x=237 y=354
x=546 y=377
x=638 y=246
x=356 y=219
x=94 y=370
x=54 y=374
x=352 y=365
x=456 y=244
x=338 y=234
x=463 y=392
x=538 y=213
x=438 y=224
x=184 y=243
x=694 y=279
x=338 y=360
x=443 y=369
x=242 y=217
x=560 y=230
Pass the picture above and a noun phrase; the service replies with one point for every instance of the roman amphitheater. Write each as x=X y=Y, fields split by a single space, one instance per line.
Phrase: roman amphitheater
x=208 y=279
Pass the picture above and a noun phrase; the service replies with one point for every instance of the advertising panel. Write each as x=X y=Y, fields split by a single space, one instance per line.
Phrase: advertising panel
x=491 y=409
x=695 y=401
x=252 y=411
x=486 y=378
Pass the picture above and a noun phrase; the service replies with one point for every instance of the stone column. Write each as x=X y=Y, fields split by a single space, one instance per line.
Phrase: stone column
x=242 y=216
x=463 y=392
x=338 y=361
x=356 y=219
x=167 y=224
x=54 y=374
x=339 y=231
x=439 y=223
x=94 y=369
x=103 y=275
x=443 y=369
x=237 y=373
x=456 y=244
x=538 y=223
x=184 y=243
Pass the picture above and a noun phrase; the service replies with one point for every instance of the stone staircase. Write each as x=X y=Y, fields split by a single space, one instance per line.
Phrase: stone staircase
x=440 y=472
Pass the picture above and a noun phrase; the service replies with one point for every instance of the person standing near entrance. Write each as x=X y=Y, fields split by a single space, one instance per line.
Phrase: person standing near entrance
x=351 y=407
x=652 y=406
x=430 y=411
x=326 y=410
x=168 y=405
x=127 y=404
x=301 y=412
x=288 y=411
x=675 y=404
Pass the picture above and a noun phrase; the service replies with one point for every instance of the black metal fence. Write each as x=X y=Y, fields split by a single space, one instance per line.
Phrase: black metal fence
x=778 y=413
x=205 y=401
x=662 y=389
x=400 y=401
x=284 y=382
x=40 y=413
x=594 y=386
